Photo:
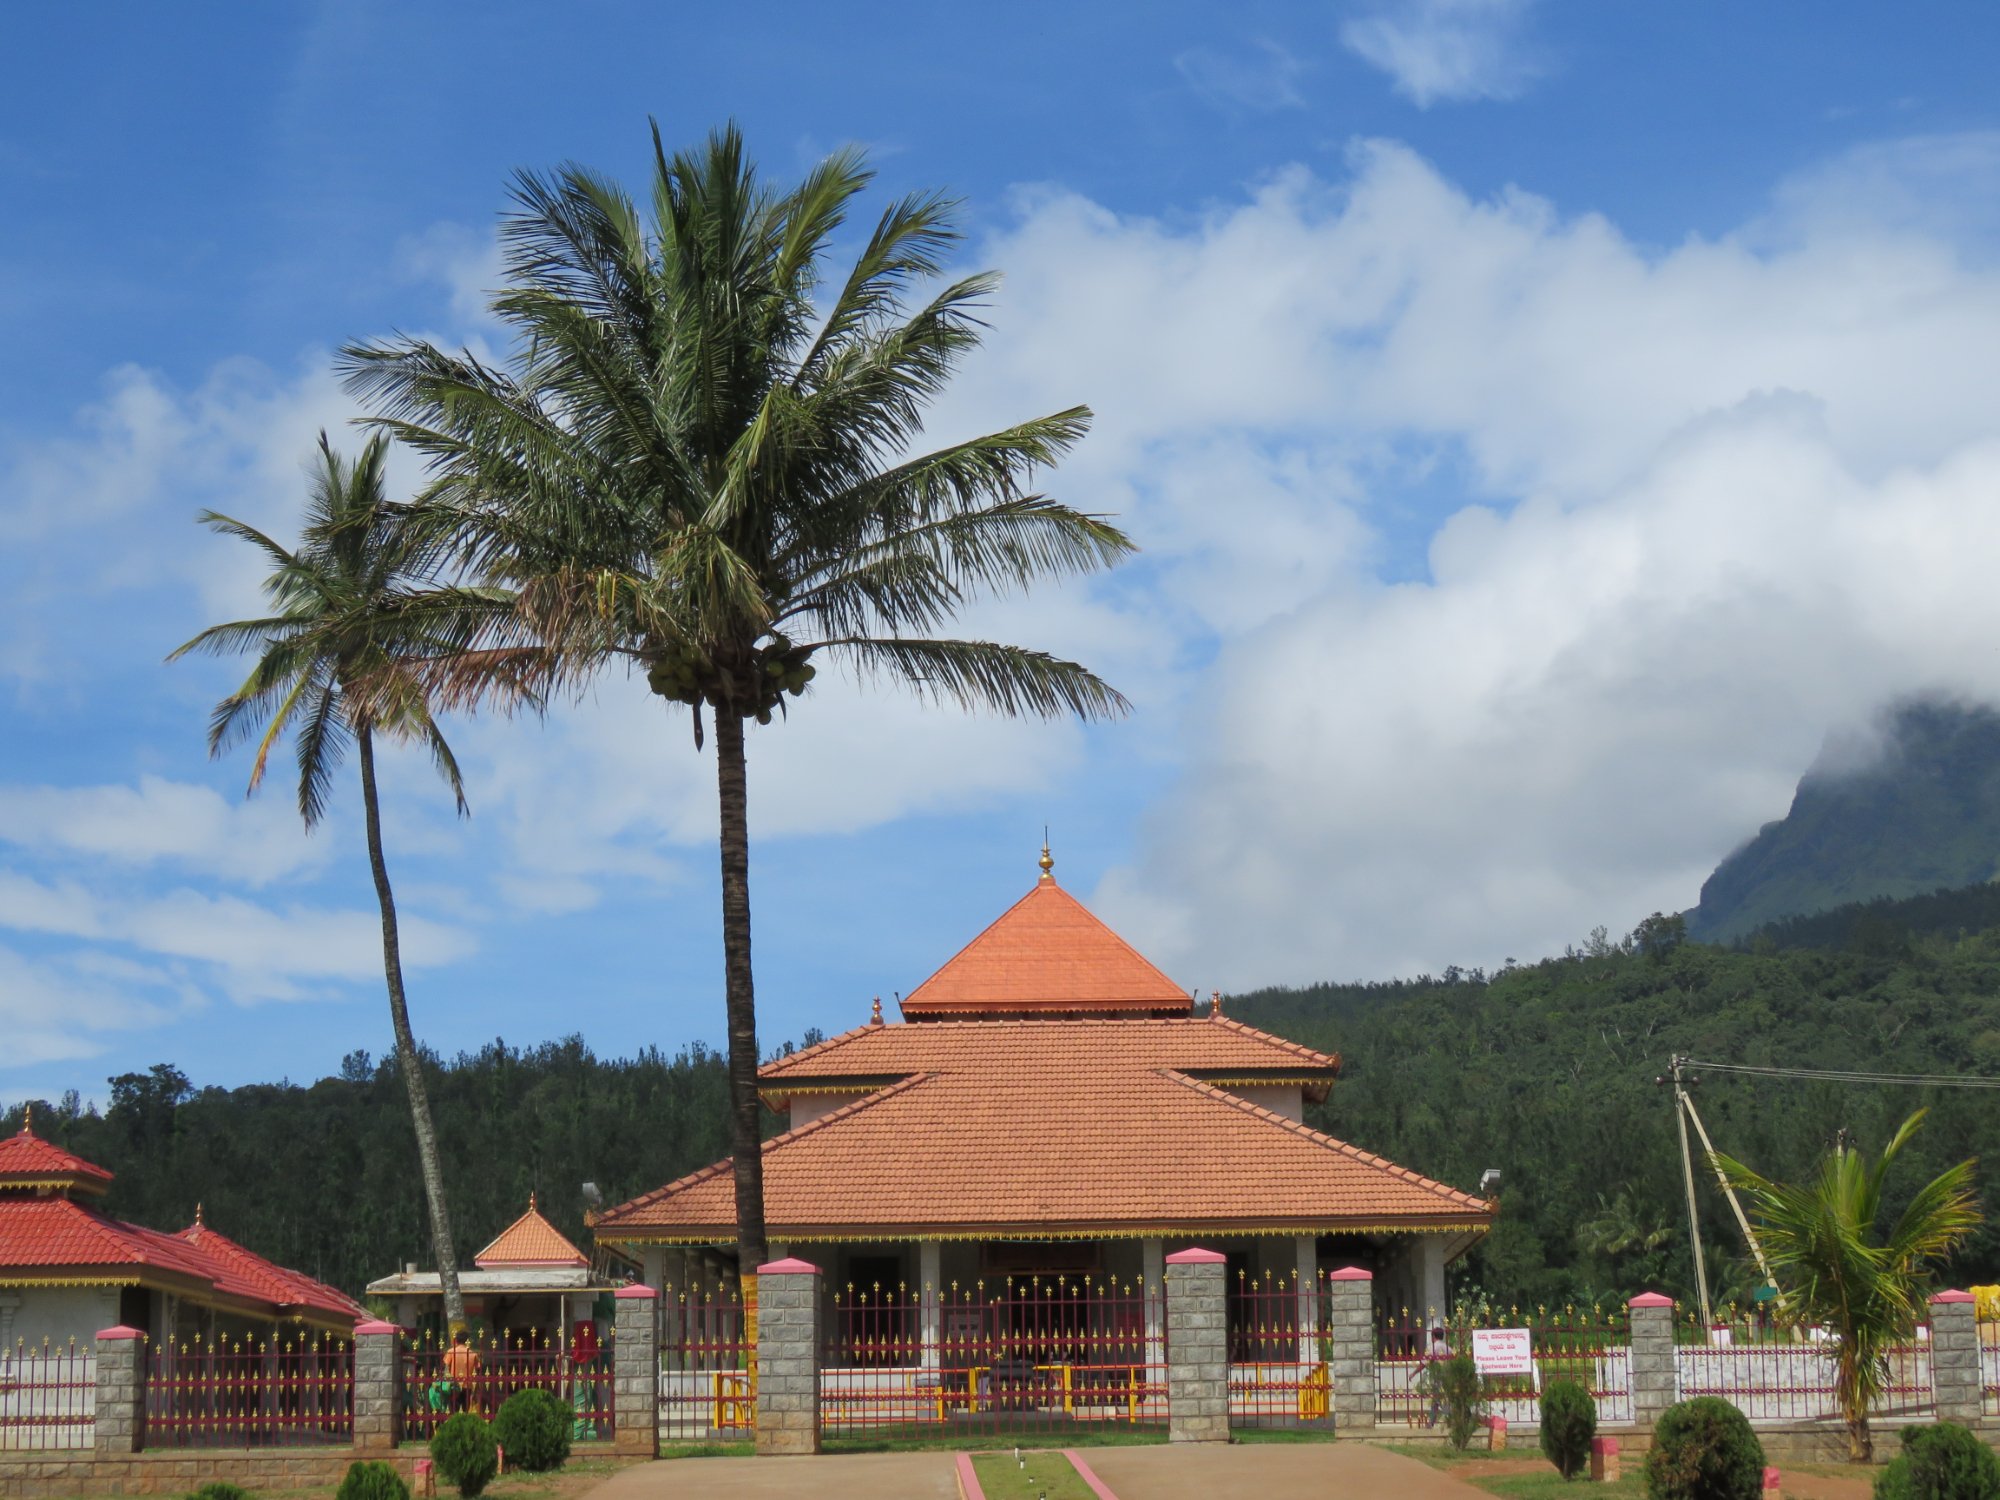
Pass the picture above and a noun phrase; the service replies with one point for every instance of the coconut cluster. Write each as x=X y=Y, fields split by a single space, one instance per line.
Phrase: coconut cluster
x=685 y=674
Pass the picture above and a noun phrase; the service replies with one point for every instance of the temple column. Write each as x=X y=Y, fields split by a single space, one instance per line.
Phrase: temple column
x=653 y=1266
x=1430 y=1273
x=1153 y=1294
x=1306 y=1249
x=930 y=1281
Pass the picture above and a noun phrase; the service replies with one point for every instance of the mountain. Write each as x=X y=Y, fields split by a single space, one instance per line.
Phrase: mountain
x=1919 y=814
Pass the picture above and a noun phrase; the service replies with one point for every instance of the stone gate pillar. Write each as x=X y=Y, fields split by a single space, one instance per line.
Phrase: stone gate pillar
x=1655 y=1379
x=1350 y=1320
x=121 y=1390
x=788 y=1357
x=1955 y=1358
x=1197 y=1347
x=635 y=1372
x=378 y=1386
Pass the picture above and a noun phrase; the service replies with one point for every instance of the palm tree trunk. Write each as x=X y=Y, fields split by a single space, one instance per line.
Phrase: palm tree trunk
x=746 y=1136
x=406 y=1048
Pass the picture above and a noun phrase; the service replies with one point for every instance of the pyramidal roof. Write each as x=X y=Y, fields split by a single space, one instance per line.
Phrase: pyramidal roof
x=530 y=1240
x=1046 y=955
x=26 y=1160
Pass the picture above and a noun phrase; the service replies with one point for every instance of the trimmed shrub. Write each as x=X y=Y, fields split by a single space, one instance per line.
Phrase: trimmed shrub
x=463 y=1450
x=1569 y=1422
x=371 y=1479
x=533 y=1427
x=1457 y=1396
x=219 y=1489
x=1704 y=1450
x=1944 y=1462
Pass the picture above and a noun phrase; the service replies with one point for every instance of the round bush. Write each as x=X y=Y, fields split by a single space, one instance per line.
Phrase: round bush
x=533 y=1428
x=462 y=1449
x=1457 y=1397
x=371 y=1479
x=1569 y=1422
x=1944 y=1462
x=219 y=1489
x=1704 y=1450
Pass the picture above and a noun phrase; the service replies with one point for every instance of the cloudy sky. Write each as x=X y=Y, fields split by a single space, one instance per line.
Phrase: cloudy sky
x=1544 y=425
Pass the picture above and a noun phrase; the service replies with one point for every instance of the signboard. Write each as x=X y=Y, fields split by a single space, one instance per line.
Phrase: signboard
x=1503 y=1351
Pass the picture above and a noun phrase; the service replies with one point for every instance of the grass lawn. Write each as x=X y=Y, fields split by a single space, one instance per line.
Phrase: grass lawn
x=1039 y=1476
x=921 y=1439
x=743 y=1449
x=1522 y=1472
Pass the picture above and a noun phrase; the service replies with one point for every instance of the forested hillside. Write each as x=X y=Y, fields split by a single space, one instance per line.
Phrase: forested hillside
x=1546 y=1072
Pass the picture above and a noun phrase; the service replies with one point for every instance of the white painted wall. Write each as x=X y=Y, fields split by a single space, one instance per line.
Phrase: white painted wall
x=59 y=1313
x=1280 y=1099
x=805 y=1108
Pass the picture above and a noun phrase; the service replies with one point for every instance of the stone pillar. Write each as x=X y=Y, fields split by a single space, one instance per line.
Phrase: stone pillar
x=121 y=1390
x=378 y=1387
x=1655 y=1382
x=1430 y=1280
x=635 y=1372
x=1350 y=1320
x=930 y=1292
x=788 y=1357
x=1955 y=1358
x=1197 y=1347
x=1305 y=1251
x=1153 y=1292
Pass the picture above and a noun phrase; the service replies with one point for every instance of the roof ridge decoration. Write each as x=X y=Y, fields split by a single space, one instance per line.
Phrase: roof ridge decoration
x=1458 y=1197
x=1047 y=953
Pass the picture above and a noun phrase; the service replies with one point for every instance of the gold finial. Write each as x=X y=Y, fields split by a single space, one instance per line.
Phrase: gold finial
x=197 y=1214
x=531 y=1200
x=27 y=1119
x=875 y=1015
x=1215 y=1005
x=1047 y=860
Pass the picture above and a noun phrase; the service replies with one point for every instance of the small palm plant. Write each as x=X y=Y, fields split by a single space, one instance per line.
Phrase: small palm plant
x=1868 y=1286
x=357 y=612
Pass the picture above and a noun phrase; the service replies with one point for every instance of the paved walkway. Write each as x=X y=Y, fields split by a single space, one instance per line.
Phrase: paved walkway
x=1269 y=1471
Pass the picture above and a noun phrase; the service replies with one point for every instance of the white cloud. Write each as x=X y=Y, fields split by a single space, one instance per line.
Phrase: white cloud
x=1446 y=51
x=1264 y=79
x=62 y=1010
x=158 y=821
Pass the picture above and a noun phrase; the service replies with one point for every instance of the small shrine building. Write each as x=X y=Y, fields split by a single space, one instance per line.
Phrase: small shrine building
x=1051 y=1104
x=529 y=1280
x=68 y=1269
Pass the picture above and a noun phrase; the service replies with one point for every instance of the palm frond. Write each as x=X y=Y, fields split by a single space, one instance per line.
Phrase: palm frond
x=984 y=674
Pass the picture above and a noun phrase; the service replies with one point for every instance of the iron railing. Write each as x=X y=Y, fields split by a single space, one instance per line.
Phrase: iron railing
x=708 y=1366
x=48 y=1396
x=442 y=1378
x=286 y=1391
x=1590 y=1345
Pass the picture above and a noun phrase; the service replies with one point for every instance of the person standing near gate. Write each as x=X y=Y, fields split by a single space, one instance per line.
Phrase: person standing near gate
x=461 y=1368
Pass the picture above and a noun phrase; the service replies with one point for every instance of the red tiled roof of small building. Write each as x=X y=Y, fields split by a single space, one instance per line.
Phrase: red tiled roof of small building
x=246 y=1273
x=530 y=1240
x=26 y=1160
x=1046 y=953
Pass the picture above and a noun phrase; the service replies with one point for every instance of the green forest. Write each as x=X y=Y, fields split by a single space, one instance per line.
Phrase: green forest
x=1545 y=1071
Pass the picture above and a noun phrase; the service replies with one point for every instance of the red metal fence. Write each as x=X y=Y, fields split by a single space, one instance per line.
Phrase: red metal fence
x=1776 y=1372
x=48 y=1396
x=708 y=1368
x=1989 y=1368
x=1589 y=1345
x=1279 y=1370
x=441 y=1379
x=1039 y=1356
x=280 y=1392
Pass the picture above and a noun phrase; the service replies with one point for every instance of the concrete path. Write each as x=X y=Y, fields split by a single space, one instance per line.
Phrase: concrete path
x=832 y=1476
x=1258 y=1471
x=1271 y=1471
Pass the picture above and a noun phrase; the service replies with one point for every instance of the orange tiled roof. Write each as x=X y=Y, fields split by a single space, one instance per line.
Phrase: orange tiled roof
x=1050 y=1128
x=1046 y=952
x=530 y=1240
x=26 y=1158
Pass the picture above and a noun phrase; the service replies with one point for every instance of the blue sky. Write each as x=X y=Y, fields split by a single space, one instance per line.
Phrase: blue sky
x=1544 y=424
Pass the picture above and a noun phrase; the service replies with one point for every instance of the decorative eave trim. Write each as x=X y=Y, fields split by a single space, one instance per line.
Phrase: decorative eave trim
x=721 y=1236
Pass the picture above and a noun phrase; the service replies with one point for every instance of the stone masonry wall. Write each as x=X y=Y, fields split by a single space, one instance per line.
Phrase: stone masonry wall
x=635 y=1372
x=787 y=1357
x=1350 y=1319
x=1197 y=1348
x=121 y=1400
x=378 y=1387
x=1955 y=1358
x=1653 y=1373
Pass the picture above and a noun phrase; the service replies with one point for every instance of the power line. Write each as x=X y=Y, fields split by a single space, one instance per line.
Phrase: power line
x=1852 y=1075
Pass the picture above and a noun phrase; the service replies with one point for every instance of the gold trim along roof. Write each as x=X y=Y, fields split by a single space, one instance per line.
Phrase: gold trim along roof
x=1047 y=1128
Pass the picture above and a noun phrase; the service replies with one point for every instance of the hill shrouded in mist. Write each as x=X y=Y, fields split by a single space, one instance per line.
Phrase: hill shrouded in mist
x=1922 y=813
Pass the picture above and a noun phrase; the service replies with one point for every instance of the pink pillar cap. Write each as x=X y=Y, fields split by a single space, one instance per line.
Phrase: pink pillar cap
x=1197 y=1257
x=1650 y=1299
x=107 y=1335
x=635 y=1289
x=1770 y=1478
x=1604 y=1445
x=1350 y=1273
x=376 y=1325
x=791 y=1265
x=1952 y=1297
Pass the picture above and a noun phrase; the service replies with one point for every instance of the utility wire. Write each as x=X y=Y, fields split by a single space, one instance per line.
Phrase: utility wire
x=1851 y=1075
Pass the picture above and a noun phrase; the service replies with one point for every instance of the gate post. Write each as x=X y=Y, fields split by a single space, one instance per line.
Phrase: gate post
x=787 y=1357
x=378 y=1395
x=1350 y=1326
x=1955 y=1358
x=1654 y=1374
x=121 y=1390
x=1197 y=1348
x=635 y=1372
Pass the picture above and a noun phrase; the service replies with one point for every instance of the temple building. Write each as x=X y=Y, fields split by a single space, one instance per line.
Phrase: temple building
x=1051 y=1103
x=529 y=1280
x=67 y=1269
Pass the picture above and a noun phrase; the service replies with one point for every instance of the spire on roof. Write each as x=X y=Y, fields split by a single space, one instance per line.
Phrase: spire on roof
x=197 y=1213
x=1047 y=860
x=875 y=1015
x=28 y=1119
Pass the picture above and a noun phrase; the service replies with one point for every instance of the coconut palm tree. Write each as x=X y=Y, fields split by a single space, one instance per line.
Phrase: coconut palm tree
x=1868 y=1285
x=355 y=611
x=691 y=466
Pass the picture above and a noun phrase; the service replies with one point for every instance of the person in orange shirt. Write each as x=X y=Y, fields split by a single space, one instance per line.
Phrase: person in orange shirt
x=461 y=1368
